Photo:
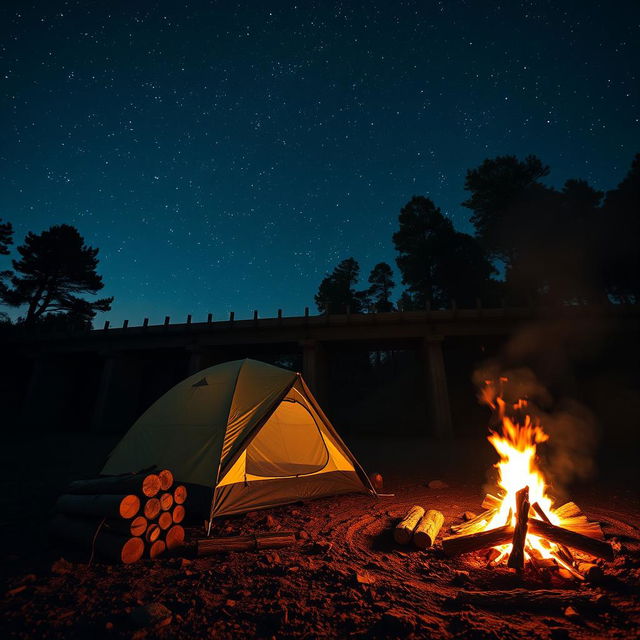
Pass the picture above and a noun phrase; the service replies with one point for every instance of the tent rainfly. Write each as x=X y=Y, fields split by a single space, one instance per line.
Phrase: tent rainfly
x=248 y=431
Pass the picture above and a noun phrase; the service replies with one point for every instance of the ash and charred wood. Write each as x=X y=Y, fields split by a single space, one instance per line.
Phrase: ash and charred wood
x=144 y=484
x=516 y=557
x=565 y=554
x=88 y=534
x=404 y=529
x=529 y=599
x=209 y=546
x=560 y=536
x=456 y=545
x=110 y=506
x=475 y=523
x=426 y=531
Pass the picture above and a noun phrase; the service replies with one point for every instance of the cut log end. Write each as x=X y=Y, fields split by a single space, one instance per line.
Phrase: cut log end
x=129 y=506
x=132 y=550
x=138 y=526
x=151 y=485
x=178 y=513
x=152 y=508
x=180 y=494
x=157 y=549
x=153 y=532
x=166 y=501
x=165 y=520
x=427 y=529
x=175 y=537
x=166 y=479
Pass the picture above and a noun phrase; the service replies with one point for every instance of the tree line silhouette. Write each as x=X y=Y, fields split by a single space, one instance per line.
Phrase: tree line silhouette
x=570 y=246
x=575 y=245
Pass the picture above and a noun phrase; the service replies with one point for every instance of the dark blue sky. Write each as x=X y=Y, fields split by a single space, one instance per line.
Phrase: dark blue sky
x=225 y=156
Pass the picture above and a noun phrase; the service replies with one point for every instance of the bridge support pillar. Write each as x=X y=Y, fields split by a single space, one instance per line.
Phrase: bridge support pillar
x=117 y=398
x=47 y=397
x=314 y=368
x=438 y=410
x=196 y=360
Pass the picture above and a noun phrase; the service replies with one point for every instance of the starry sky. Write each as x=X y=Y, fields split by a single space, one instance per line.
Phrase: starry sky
x=225 y=156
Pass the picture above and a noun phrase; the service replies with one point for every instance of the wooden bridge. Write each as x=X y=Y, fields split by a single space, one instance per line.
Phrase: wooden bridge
x=104 y=378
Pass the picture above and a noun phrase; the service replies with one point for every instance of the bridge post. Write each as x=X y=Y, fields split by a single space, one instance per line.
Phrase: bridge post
x=439 y=410
x=314 y=368
x=42 y=405
x=196 y=360
x=116 y=400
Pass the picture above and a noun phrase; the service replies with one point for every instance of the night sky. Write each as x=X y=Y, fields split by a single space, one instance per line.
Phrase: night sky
x=225 y=156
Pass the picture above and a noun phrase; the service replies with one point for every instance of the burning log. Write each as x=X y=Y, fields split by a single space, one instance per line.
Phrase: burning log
x=476 y=523
x=87 y=535
x=491 y=502
x=145 y=484
x=456 y=545
x=427 y=529
x=209 y=546
x=565 y=554
x=114 y=506
x=529 y=599
x=404 y=529
x=560 y=536
x=516 y=557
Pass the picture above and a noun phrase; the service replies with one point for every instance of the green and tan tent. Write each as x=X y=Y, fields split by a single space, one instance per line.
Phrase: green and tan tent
x=249 y=432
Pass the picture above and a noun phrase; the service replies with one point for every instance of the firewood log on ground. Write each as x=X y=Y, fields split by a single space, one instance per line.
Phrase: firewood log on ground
x=404 y=529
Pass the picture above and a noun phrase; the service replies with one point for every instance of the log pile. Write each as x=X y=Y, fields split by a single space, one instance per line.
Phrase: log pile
x=575 y=532
x=122 y=518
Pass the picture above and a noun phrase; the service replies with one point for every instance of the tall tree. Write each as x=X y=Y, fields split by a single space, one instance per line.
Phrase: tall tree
x=55 y=269
x=620 y=230
x=381 y=284
x=438 y=263
x=336 y=292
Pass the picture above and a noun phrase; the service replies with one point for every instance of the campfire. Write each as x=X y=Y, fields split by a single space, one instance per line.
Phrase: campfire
x=520 y=524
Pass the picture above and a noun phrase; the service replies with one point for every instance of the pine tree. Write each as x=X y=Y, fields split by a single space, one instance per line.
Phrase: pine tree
x=55 y=267
x=381 y=281
x=336 y=292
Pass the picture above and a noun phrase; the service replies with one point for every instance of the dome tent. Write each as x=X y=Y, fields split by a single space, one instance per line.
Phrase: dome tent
x=250 y=432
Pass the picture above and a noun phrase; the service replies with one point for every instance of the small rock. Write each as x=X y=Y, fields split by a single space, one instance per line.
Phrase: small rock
x=270 y=522
x=303 y=535
x=364 y=577
x=230 y=603
x=460 y=577
x=398 y=620
x=61 y=566
x=151 y=615
x=376 y=480
x=469 y=515
x=109 y=626
x=296 y=512
x=571 y=613
x=437 y=484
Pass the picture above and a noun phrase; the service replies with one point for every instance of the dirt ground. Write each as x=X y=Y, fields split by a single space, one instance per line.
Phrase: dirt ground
x=344 y=577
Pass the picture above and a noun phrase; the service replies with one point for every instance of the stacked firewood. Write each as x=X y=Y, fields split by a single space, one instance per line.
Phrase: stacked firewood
x=575 y=532
x=122 y=518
